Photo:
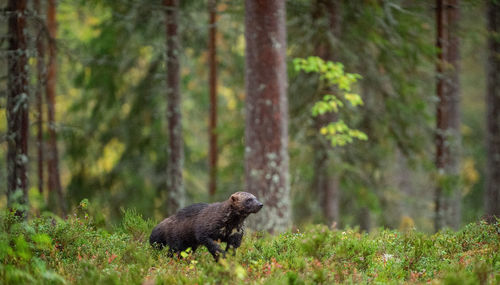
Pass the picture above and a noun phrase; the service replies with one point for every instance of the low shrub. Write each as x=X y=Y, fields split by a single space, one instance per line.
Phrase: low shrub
x=48 y=250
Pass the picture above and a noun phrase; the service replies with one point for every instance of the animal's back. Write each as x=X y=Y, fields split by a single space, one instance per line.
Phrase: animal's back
x=177 y=231
x=190 y=211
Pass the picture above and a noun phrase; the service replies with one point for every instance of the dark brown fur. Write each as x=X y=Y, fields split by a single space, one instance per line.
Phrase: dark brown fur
x=205 y=224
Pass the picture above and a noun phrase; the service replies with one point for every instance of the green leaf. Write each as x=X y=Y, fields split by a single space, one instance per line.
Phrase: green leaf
x=42 y=241
x=354 y=99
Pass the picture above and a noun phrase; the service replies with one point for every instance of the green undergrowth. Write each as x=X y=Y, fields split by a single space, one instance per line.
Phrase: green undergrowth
x=48 y=250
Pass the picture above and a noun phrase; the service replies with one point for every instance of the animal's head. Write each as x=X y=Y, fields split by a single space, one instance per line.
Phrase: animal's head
x=245 y=203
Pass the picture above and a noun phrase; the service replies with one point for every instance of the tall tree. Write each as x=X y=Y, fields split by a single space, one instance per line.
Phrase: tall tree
x=54 y=179
x=175 y=162
x=440 y=43
x=448 y=194
x=212 y=128
x=266 y=128
x=327 y=15
x=453 y=96
x=40 y=47
x=492 y=195
x=17 y=106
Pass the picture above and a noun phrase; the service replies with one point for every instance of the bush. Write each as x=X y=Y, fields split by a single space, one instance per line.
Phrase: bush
x=52 y=251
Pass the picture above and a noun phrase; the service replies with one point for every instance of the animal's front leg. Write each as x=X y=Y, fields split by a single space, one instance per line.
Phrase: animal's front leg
x=234 y=240
x=213 y=248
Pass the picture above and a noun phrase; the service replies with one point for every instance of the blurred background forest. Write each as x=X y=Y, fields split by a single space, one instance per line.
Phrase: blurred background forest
x=110 y=98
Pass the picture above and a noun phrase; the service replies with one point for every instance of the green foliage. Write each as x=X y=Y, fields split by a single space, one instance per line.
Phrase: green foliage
x=134 y=225
x=332 y=75
x=43 y=251
x=111 y=114
x=389 y=43
x=113 y=70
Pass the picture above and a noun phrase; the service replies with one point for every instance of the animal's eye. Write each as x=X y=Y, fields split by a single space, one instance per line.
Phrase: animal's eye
x=248 y=201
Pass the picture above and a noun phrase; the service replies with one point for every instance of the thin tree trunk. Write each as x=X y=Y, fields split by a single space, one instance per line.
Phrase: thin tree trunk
x=54 y=180
x=453 y=96
x=440 y=163
x=492 y=195
x=402 y=177
x=39 y=97
x=440 y=42
x=365 y=219
x=266 y=129
x=17 y=107
x=327 y=183
x=447 y=201
x=175 y=186
x=212 y=51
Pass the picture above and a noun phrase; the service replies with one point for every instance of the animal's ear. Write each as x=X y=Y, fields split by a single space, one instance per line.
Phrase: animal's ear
x=234 y=198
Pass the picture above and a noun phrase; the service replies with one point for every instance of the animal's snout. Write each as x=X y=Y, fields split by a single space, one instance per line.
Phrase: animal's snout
x=258 y=206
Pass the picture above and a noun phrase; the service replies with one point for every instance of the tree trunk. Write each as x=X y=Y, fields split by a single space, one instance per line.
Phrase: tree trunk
x=454 y=215
x=492 y=195
x=448 y=198
x=212 y=128
x=365 y=219
x=266 y=129
x=54 y=180
x=17 y=108
x=440 y=42
x=175 y=186
x=39 y=97
x=326 y=182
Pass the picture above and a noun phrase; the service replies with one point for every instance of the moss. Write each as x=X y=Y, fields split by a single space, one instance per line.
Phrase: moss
x=77 y=251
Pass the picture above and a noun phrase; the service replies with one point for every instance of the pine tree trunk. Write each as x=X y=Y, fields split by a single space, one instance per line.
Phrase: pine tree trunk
x=54 y=180
x=454 y=215
x=212 y=52
x=492 y=195
x=440 y=43
x=403 y=183
x=327 y=183
x=266 y=129
x=175 y=186
x=39 y=97
x=17 y=107
x=448 y=201
x=365 y=219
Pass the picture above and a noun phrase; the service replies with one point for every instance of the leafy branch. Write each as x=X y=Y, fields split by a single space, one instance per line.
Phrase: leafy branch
x=332 y=74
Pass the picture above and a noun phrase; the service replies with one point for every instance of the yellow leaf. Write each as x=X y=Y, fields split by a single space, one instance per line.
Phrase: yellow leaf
x=240 y=272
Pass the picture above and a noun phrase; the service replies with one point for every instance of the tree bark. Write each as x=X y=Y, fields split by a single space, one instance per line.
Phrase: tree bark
x=448 y=201
x=365 y=219
x=40 y=47
x=54 y=180
x=17 y=108
x=492 y=195
x=175 y=185
x=453 y=93
x=326 y=182
x=212 y=128
x=440 y=42
x=266 y=129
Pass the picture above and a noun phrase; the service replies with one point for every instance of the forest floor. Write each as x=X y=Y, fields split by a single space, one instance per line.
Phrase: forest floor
x=76 y=251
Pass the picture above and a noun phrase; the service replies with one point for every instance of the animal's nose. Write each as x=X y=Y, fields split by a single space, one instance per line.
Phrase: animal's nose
x=260 y=205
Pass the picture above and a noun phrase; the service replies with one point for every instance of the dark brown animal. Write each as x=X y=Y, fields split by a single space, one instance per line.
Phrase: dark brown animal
x=206 y=224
